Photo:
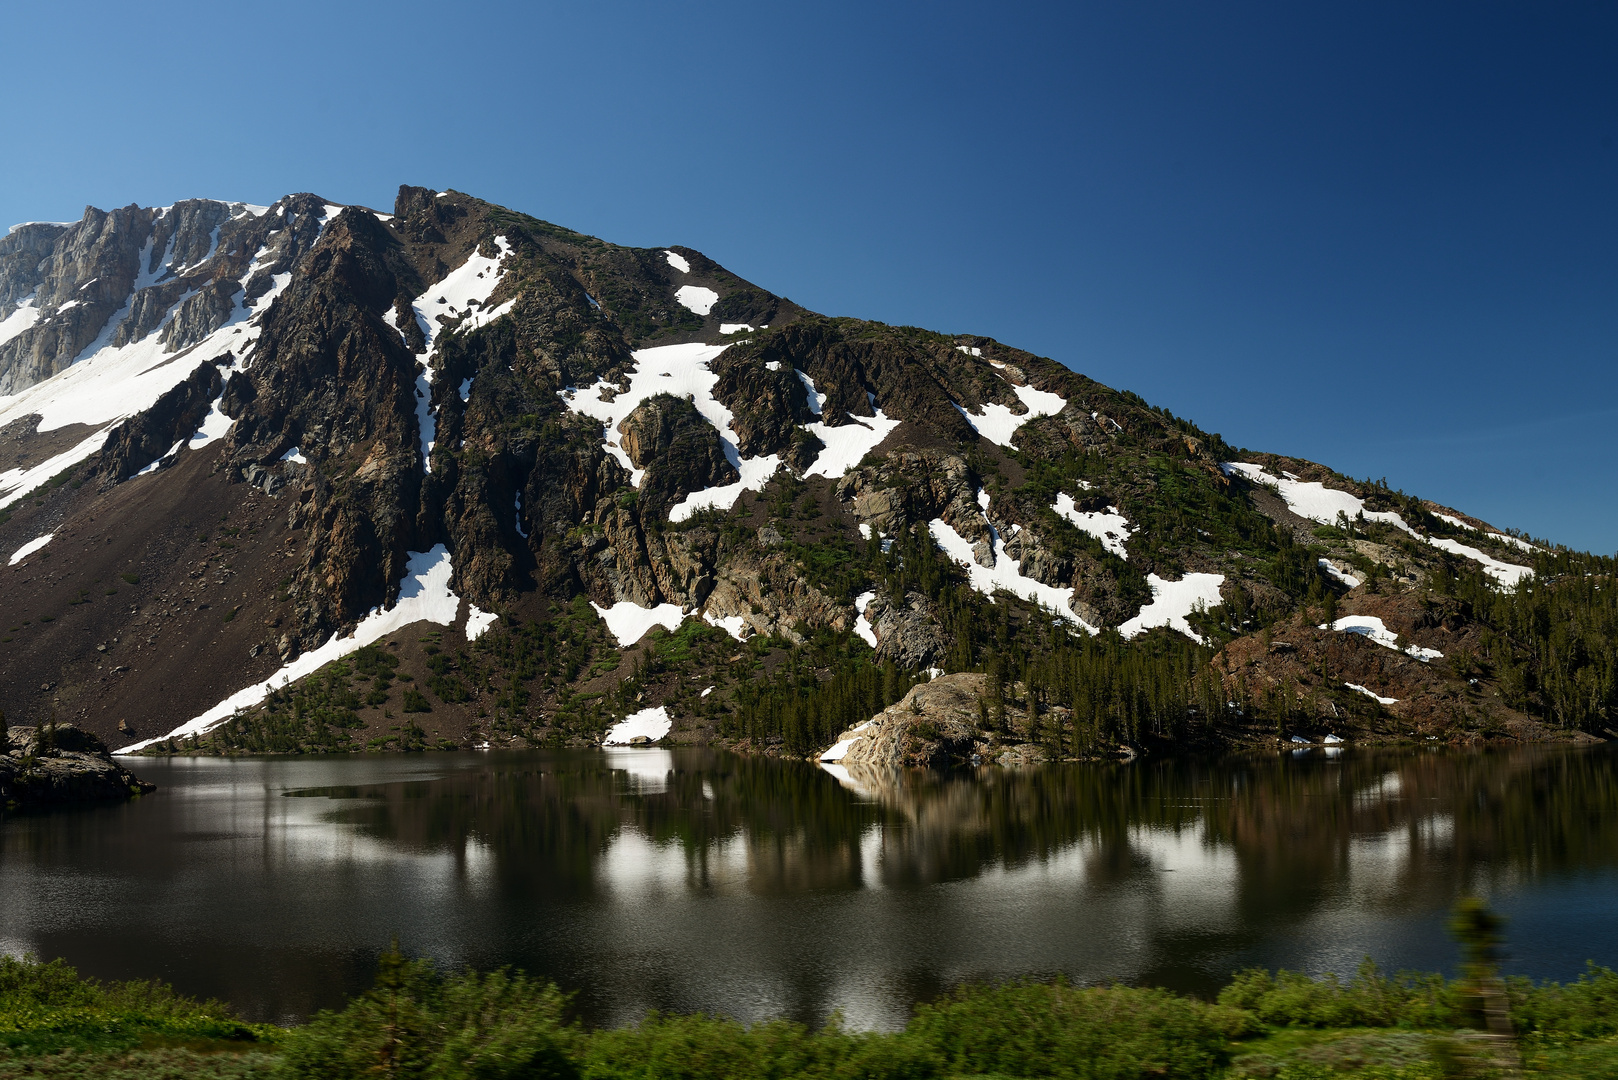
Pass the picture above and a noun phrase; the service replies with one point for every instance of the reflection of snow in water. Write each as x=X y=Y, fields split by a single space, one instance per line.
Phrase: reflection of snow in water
x=648 y=768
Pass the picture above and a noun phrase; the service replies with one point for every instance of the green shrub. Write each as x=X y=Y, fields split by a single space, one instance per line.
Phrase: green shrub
x=415 y=1023
x=1057 y=1030
x=708 y=1048
x=1370 y=999
x=414 y=701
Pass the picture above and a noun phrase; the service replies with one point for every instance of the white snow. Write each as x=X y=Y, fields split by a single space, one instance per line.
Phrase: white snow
x=839 y=751
x=216 y=424
x=462 y=300
x=466 y=390
x=1336 y=573
x=677 y=261
x=696 y=298
x=1372 y=627
x=1507 y=574
x=815 y=399
x=999 y=425
x=1005 y=574
x=1109 y=526
x=862 y=625
x=424 y=596
x=865 y=530
x=26 y=315
x=734 y=328
x=1519 y=544
x=1172 y=601
x=847 y=444
x=522 y=532
x=1320 y=503
x=629 y=622
x=1314 y=500
x=730 y=624
x=295 y=455
x=653 y=723
x=477 y=621
x=158 y=464
x=1372 y=694
x=32 y=546
x=706 y=692
x=1455 y=521
x=15 y=483
x=970 y=350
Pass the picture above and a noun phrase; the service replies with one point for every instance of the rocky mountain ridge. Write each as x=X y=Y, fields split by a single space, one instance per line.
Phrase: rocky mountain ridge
x=314 y=477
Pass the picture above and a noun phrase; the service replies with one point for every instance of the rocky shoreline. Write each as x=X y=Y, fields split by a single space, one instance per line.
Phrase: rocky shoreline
x=61 y=765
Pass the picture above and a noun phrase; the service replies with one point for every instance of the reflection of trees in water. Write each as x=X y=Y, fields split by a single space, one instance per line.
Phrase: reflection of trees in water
x=1422 y=824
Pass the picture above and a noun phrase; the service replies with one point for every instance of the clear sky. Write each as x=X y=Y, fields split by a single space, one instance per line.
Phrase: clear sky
x=1380 y=235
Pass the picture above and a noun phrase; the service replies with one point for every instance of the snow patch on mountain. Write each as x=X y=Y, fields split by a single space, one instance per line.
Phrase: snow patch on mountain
x=696 y=298
x=1372 y=627
x=862 y=625
x=1172 y=601
x=677 y=261
x=1506 y=574
x=1004 y=574
x=1337 y=573
x=477 y=621
x=34 y=545
x=1372 y=694
x=424 y=596
x=653 y=724
x=998 y=424
x=26 y=315
x=1109 y=526
x=629 y=622
x=847 y=444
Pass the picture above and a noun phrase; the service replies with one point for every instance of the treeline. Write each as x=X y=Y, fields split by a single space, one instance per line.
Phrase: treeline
x=1551 y=643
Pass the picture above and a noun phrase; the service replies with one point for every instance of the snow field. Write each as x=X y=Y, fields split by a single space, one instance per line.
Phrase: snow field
x=734 y=625
x=1372 y=694
x=862 y=625
x=1004 y=574
x=735 y=328
x=629 y=622
x=1109 y=526
x=678 y=262
x=26 y=315
x=1372 y=627
x=38 y=542
x=696 y=298
x=1317 y=502
x=424 y=596
x=294 y=455
x=1172 y=601
x=462 y=298
x=478 y=621
x=653 y=723
x=999 y=425
x=1506 y=574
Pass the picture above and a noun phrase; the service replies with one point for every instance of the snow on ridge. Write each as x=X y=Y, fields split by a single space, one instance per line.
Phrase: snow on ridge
x=999 y=425
x=734 y=625
x=1317 y=502
x=1370 y=626
x=677 y=261
x=735 y=328
x=847 y=444
x=862 y=625
x=1172 y=601
x=1372 y=694
x=653 y=723
x=1506 y=574
x=629 y=621
x=1109 y=526
x=29 y=548
x=424 y=596
x=696 y=298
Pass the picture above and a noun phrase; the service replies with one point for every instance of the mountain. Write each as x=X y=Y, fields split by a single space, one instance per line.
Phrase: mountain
x=314 y=477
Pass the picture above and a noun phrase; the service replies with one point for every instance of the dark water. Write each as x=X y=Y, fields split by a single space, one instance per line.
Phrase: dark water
x=696 y=880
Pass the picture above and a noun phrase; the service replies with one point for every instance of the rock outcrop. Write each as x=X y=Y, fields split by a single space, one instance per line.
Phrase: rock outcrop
x=61 y=765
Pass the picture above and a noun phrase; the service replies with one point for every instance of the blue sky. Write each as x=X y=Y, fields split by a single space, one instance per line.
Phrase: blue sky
x=1382 y=236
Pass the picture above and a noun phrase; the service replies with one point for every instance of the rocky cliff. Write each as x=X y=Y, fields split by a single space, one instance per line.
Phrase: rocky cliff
x=313 y=477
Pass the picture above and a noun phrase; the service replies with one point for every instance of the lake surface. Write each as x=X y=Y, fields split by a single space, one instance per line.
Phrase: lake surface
x=696 y=880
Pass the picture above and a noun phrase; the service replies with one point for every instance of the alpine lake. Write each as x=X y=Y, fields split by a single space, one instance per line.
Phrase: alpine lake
x=696 y=880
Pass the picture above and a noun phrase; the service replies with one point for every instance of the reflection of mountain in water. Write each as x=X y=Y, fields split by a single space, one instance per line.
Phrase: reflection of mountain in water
x=1272 y=836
